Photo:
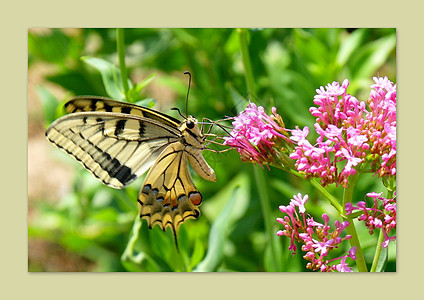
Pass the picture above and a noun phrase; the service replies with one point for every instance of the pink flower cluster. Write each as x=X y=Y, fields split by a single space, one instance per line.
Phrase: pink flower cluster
x=316 y=238
x=381 y=215
x=257 y=136
x=349 y=134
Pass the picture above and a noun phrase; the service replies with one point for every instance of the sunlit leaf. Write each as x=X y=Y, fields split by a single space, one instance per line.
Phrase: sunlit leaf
x=111 y=77
x=236 y=203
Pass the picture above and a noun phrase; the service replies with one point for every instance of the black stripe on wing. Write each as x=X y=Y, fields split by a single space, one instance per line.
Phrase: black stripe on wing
x=168 y=197
x=94 y=103
x=116 y=148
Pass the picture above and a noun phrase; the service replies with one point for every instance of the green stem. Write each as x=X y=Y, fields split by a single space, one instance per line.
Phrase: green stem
x=250 y=82
x=120 y=44
x=263 y=191
x=377 y=251
x=322 y=190
x=266 y=211
x=351 y=230
x=327 y=195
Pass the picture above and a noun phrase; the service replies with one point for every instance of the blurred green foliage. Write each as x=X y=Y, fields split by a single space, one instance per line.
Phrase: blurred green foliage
x=101 y=224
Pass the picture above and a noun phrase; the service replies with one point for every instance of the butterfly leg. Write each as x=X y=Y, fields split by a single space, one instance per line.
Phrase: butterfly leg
x=218 y=151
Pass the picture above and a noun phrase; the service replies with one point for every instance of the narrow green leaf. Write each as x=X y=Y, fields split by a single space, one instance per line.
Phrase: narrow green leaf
x=142 y=84
x=185 y=37
x=217 y=238
x=135 y=91
x=375 y=56
x=349 y=46
x=236 y=205
x=382 y=262
x=140 y=262
x=137 y=261
x=198 y=253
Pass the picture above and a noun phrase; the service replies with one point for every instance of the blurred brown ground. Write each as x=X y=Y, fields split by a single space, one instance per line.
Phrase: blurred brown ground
x=48 y=180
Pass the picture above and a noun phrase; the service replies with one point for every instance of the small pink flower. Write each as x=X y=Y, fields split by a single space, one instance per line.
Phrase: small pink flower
x=299 y=202
x=352 y=253
x=323 y=247
x=382 y=215
x=299 y=136
x=350 y=133
x=343 y=266
x=317 y=239
x=258 y=138
x=351 y=161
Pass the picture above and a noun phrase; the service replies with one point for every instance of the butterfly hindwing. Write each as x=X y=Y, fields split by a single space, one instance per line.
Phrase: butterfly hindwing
x=168 y=196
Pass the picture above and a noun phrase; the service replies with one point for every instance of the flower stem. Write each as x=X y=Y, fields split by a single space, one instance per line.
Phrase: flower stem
x=120 y=44
x=327 y=195
x=246 y=62
x=260 y=180
x=322 y=190
x=266 y=211
x=377 y=251
x=351 y=230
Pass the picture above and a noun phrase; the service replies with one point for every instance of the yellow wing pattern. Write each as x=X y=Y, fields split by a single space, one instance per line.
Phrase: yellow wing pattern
x=168 y=196
x=118 y=141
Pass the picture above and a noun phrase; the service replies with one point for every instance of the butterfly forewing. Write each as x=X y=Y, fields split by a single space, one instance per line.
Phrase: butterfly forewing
x=90 y=103
x=116 y=148
x=118 y=141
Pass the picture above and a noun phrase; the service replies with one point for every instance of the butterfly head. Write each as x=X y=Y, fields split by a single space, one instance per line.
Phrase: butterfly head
x=191 y=132
x=191 y=122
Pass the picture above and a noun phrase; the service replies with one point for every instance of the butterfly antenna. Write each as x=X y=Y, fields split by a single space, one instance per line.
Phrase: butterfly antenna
x=188 y=90
x=179 y=111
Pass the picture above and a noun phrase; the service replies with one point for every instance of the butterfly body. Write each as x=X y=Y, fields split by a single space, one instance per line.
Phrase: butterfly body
x=117 y=142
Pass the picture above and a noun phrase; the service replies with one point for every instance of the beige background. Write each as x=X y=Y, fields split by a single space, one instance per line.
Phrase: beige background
x=17 y=283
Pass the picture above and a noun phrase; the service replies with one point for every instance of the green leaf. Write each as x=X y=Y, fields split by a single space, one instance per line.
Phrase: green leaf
x=52 y=47
x=111 y=76
x=137 y=261
x=134 y=92
x=76 y=82
x=185 y=37
x=198 y=253
x=148 y=102
x=349 y=46
x=237 y=199
x=309 y=47
x=49 y=103
x=140 y=262
x=372 y=57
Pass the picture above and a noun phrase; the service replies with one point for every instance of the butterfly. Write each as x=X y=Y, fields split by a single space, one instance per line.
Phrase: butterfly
x=117 y=142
